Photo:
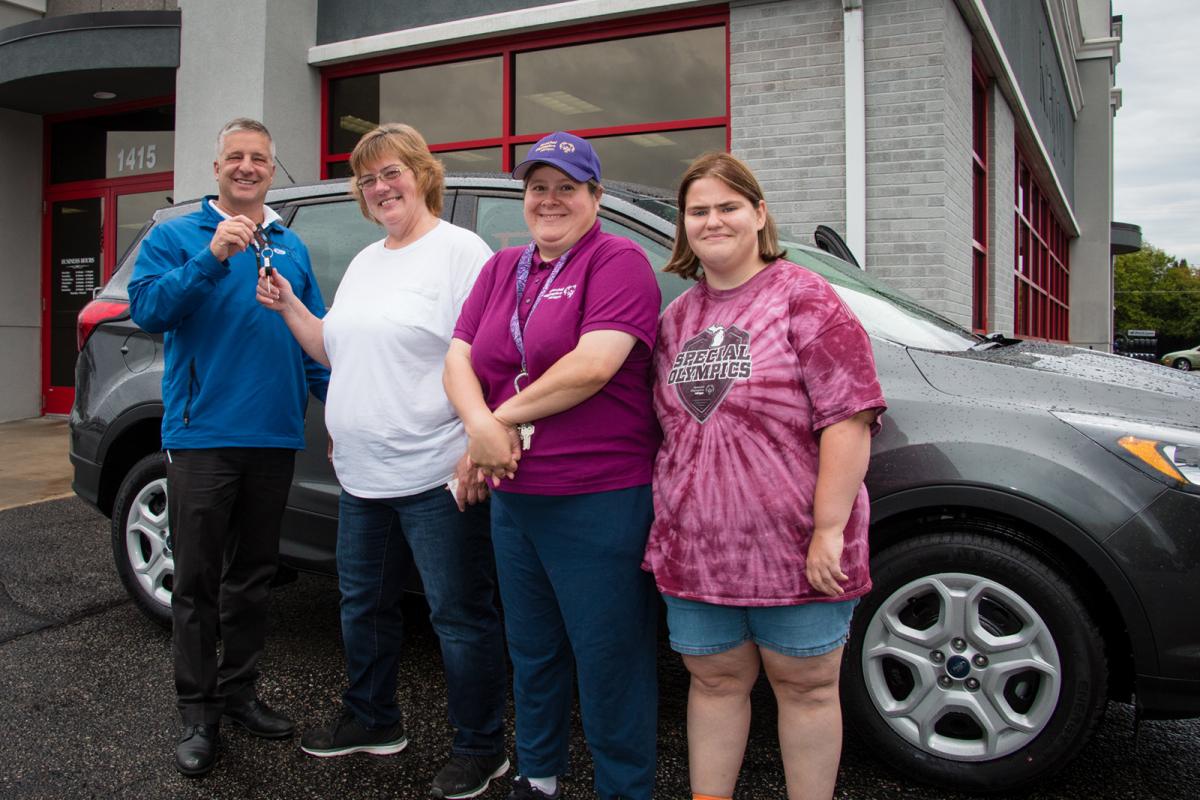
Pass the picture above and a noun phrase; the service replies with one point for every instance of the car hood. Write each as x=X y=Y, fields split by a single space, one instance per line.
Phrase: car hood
x=1063 y=378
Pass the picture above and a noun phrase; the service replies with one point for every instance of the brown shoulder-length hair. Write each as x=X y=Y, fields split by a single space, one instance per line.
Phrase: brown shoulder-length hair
x=397 y=140
x=734 y=173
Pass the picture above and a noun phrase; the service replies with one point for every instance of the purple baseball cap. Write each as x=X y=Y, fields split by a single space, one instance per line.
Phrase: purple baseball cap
x=563 y=151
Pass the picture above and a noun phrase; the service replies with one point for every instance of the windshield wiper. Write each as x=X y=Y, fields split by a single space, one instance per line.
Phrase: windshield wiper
x=994 y=340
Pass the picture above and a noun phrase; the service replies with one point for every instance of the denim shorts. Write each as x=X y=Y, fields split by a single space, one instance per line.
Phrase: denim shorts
x=809 y=629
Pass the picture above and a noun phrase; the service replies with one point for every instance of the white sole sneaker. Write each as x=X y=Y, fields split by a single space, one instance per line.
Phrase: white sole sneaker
x=382 y=749
x=478 y=790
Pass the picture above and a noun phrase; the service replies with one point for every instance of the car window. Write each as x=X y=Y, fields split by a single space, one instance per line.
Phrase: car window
x=500 y=222
x=334 y=233
x=883 y=311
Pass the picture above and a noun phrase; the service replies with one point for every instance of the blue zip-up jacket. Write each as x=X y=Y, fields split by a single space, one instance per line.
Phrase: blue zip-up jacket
x=233 y=374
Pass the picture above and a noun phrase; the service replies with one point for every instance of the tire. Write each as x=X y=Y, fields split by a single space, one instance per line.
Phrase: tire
x=1183 y=364
x=973 y=664
x=141 y=538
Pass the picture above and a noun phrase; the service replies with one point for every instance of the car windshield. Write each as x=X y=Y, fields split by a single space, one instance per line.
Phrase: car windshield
x=884 y=312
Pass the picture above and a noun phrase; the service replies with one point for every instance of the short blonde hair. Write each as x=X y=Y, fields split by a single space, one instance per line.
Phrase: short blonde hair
x=395 y=139
x=734 y=173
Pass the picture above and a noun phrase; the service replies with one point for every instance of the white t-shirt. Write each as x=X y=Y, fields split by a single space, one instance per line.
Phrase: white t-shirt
x=387 y=334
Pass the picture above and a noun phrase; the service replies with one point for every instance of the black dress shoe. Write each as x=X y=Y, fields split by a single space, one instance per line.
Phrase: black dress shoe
x=197 y=749
x=257 y=718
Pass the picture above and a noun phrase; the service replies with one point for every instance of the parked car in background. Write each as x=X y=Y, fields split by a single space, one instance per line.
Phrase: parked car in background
x=1035 y=550
x=1186 y=360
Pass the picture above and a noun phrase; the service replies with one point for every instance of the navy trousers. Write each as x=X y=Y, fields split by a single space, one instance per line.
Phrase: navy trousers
x=574 y=593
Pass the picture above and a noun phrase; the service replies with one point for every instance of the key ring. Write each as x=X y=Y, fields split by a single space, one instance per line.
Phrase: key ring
x=517 y=380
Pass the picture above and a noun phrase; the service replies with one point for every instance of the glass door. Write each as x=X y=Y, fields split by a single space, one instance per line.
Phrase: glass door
x=87 y=231
x=76 y=238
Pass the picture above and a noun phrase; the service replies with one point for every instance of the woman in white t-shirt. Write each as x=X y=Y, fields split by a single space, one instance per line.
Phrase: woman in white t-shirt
x=398 y=447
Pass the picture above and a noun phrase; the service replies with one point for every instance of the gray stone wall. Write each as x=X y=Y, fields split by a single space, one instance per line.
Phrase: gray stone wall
x=787 y=108
x=263 y=74
x=338 y=20
x=918 y=85
x=1091 y=265
x=59 y=8
x=20 y=302
x=960 y=175
x=1028 y=41
x=15 y=15
x=1002 y=166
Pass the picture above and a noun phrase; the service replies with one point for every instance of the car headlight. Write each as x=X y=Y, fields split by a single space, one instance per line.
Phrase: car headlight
x=1170 y=454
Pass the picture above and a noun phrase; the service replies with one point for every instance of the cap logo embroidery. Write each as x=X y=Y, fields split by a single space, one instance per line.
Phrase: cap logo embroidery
x=566 y=147
x=545 y=146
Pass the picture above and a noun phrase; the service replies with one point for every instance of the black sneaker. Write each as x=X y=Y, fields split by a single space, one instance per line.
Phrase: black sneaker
x=468 y=776
x=522 y=789
x=347 y=736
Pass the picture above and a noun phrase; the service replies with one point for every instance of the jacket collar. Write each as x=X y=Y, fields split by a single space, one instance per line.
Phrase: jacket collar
x=209 y=206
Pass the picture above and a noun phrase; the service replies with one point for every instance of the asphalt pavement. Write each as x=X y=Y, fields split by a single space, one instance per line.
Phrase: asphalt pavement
x=87 y=706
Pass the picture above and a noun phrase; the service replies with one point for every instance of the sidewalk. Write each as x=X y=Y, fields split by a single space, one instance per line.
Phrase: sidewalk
x=33 y=461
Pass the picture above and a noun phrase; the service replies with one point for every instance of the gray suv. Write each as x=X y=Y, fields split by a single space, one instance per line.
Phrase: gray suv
x=1035 y=536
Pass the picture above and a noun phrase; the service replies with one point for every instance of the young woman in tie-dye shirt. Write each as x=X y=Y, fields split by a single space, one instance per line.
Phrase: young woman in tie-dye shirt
x=766 y=391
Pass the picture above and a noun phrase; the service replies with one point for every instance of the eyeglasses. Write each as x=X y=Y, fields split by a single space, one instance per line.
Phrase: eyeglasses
x=388 y=174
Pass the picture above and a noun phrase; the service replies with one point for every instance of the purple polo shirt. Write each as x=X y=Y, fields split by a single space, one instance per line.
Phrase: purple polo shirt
x=608 y=441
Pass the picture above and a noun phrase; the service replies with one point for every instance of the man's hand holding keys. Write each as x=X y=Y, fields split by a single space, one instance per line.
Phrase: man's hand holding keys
x=233 y=235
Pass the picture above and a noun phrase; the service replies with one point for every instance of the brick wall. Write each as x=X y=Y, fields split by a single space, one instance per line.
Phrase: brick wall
x=787 y=108
x=918 y=83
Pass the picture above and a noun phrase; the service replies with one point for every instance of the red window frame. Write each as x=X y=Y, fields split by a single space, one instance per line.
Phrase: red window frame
x=507 y=48
x=1041 y=265
x=980 y=206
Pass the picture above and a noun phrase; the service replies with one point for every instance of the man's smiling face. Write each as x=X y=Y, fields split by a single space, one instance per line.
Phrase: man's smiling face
x=244 y=171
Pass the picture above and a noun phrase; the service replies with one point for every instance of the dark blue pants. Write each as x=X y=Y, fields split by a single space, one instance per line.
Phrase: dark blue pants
x=573 y=589
x=378 y=541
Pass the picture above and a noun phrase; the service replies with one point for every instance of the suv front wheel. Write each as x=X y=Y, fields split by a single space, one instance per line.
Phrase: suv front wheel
x=973 y=663
x=141 y=538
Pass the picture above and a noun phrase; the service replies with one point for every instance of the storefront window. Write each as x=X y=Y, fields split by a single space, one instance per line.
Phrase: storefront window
x=652 y=159
x=454 y=102
x=1042 y=271
x=677 y=75
x=651 y=96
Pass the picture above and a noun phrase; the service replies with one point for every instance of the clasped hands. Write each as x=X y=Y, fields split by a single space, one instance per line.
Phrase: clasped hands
x=493 y=449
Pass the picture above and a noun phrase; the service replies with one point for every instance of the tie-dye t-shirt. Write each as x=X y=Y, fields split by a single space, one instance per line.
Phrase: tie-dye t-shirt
x=744 y=380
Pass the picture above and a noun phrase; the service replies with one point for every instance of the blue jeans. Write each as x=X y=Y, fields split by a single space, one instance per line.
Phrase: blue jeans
x=574 y=591
x=378 y=541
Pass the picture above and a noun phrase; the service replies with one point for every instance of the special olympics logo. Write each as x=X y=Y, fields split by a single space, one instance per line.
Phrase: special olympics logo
x=566 y=147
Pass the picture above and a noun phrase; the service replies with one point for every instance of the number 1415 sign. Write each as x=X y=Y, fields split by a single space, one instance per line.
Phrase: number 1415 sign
x=139 y=153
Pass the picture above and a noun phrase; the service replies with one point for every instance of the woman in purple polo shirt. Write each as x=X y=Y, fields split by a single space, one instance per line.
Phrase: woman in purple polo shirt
x=550 y=371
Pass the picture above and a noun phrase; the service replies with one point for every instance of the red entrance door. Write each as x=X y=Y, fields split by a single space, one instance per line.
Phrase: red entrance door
x=86 y=229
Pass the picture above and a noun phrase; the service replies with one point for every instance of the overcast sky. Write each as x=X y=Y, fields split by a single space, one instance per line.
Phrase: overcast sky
x=1157 y=181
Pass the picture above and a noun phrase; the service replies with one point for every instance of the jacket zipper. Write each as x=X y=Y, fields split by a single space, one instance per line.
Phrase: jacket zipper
x=187 y=408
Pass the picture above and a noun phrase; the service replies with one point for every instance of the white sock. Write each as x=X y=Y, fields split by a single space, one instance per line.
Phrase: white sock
x=548 y=786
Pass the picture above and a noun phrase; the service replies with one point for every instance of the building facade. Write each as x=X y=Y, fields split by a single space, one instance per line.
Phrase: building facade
x=962 y=147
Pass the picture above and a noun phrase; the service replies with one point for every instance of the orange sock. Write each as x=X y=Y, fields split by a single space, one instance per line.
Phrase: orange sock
x=708 y=797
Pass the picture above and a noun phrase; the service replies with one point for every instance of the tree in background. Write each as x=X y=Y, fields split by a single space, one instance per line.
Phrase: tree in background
x=1154 y=290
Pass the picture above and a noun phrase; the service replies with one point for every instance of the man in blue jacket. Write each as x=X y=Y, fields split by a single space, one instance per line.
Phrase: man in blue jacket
x=235 y=386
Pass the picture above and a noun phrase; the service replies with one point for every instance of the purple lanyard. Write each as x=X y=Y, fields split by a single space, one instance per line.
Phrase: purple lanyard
x=524 y=266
